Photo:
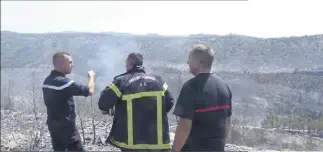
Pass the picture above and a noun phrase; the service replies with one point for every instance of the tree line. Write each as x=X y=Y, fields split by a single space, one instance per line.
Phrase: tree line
x=299 y=124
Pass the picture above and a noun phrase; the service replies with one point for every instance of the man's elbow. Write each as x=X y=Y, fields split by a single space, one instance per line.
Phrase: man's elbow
x=186 y=124
x=90 y=93
x=104 y=104
x=102 y=109
x=101 y=105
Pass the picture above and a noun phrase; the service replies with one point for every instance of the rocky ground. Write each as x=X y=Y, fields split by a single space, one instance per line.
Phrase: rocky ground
x=20 y=131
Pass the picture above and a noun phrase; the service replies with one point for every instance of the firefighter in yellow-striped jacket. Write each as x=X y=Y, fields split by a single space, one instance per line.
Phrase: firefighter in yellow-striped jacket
x=141 y=102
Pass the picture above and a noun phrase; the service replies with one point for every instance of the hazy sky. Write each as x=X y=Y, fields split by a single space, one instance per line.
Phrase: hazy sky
x=261 y=18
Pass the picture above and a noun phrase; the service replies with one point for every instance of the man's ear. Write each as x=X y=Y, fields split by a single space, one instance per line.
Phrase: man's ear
x=131 y=65
x=196 y=63
x=199 y=64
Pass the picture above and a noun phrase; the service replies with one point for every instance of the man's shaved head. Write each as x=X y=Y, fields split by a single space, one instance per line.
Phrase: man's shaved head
x=59 y=55
x=203 y=54
x=63 y=62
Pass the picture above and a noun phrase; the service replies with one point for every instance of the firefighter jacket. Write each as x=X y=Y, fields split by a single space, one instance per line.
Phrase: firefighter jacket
x=141 y=103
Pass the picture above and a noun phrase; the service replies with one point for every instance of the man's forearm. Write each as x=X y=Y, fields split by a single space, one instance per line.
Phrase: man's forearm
x=228 y=127
x=180 y=139
x=91 y=85
x=182 y=132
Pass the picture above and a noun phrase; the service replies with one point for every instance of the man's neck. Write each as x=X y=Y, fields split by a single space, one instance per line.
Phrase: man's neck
x=57 y=70
x=203 y=71
x=135 y=68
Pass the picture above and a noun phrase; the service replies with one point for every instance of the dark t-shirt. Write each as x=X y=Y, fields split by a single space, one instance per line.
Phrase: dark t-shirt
x=206 y=100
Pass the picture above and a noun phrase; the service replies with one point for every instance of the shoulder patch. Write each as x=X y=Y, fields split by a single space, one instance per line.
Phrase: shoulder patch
x=145 y=77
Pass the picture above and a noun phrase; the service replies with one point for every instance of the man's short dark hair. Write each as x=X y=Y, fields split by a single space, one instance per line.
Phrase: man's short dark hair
x=135 y=59
x=203 y=54
x=58 y=55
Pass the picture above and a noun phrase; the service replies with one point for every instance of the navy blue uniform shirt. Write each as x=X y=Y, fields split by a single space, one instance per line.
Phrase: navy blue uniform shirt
x=58 y=92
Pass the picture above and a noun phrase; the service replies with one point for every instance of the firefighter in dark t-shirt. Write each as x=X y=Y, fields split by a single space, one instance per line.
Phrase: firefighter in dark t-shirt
x=204 y=106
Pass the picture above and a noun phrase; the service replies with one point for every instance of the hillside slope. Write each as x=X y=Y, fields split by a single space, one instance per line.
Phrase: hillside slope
x=103 y=51
x=266 y=76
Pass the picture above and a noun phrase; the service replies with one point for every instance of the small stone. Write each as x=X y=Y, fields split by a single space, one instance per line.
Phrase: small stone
x=12 y=144
x=88 y=138
x=172 y=136
x=90 y=148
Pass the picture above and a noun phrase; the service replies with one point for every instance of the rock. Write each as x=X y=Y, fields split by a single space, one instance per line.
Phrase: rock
x=16 y=133
x=12 y=144
x=90 y=148
x=102 y=140
x=88 y=139
x=172 y=136
x=4 y=149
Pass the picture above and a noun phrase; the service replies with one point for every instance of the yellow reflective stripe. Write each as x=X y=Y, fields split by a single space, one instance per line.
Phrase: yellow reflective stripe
x=142 y=146
x=130 y=122
x=143 y=94
x=165 y=86
x=129 y=98
x=115 y=89
x=159 y=120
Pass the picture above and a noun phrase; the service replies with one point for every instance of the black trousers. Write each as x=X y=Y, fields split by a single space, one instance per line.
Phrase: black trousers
x=214 y=145
x=65 y=137
x=75 y=146
x=143 y=150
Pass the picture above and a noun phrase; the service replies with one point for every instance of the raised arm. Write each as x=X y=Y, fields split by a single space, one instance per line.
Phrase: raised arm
x=75 y=89
x=90 y=85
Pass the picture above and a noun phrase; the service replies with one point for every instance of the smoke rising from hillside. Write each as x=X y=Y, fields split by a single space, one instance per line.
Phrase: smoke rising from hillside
x=110 y=59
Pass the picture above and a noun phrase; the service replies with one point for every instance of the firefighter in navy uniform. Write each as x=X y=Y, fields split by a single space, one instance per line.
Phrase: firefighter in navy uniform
x=58 y=92
x=141 y=103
